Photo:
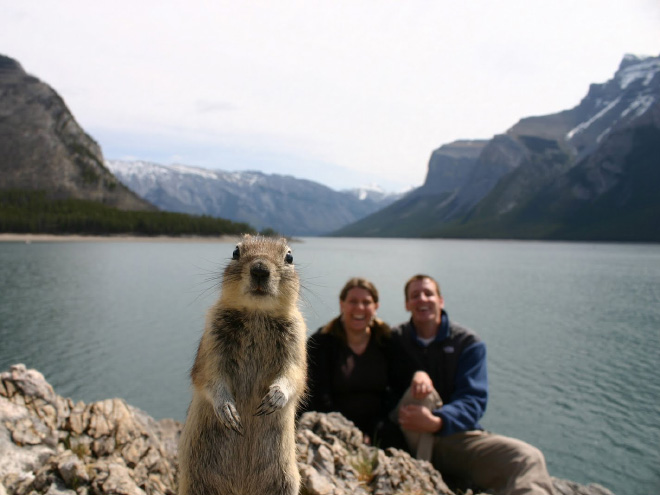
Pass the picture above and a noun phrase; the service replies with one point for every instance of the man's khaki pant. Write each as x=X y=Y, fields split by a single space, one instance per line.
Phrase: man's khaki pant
x=510 y=466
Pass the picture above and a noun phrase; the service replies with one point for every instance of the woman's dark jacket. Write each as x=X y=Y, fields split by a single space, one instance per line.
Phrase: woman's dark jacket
x=358 y=386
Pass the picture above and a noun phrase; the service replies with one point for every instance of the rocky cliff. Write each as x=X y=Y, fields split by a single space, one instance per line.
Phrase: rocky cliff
x=450 y=167
x=51 y=445
x=42 y=147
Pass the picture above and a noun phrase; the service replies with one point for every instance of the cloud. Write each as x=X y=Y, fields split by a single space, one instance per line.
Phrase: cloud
x=204 y=106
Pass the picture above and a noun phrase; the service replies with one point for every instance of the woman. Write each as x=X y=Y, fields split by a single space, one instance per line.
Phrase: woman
x=347 y=362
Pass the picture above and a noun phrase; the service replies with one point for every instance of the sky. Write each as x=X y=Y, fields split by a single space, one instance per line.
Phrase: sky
x=345 y=93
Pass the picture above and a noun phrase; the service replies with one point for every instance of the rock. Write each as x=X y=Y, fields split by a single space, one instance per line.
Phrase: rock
x=29 y=383
x=117 y=478
x=565 y=487
x=331 y=447
x=16 y=457
x=56 y=488
x=77 y=421
x=49 y=445
x=72 y=469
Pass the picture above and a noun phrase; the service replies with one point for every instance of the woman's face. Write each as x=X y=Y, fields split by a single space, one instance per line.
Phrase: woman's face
x=357 y=310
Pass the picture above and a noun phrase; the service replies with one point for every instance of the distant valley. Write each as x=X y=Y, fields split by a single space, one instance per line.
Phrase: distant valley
x=280 y=202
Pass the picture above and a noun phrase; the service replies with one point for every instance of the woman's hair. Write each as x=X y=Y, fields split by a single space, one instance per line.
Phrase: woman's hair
x=361 y=283
x=379 y=329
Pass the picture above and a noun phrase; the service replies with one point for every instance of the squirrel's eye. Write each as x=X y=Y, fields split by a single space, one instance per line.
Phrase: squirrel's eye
x=236 y=254
x=289 y=257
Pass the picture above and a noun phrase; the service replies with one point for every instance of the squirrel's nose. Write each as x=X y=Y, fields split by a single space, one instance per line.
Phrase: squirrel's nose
x=260 y=271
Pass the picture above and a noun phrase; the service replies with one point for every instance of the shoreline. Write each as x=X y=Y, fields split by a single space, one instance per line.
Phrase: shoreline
x=30 y=238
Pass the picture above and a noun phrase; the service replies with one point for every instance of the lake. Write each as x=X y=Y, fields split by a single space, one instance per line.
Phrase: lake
x=572 y=329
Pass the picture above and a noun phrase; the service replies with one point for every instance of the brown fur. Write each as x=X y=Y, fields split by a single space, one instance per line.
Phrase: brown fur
x=248 y=377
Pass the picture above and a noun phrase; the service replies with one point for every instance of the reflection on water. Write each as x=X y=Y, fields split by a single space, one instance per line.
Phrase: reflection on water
x=573 y=330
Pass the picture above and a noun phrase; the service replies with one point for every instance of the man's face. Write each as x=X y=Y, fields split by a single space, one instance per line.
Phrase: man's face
x=424 y=302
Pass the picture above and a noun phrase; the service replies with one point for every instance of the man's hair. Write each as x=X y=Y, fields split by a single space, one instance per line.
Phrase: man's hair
x=421 y=277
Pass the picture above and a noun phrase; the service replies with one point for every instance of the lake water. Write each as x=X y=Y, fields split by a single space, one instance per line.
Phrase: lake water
x=573 y=330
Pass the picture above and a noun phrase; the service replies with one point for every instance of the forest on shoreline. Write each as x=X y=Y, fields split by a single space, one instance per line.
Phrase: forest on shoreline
x=34 y=212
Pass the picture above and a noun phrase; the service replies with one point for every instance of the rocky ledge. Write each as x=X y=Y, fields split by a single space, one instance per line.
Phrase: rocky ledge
x=51 y=445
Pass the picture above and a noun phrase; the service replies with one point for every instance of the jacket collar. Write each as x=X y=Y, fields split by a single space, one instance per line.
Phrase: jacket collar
x=443 y=329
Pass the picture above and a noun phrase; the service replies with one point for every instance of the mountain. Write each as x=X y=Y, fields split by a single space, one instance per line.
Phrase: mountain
x=286 y=204
x=42 y=147
x=44 y=151
x=584 y=173
x=373 y=193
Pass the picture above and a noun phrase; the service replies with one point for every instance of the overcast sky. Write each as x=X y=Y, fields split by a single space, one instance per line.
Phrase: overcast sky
x=346 y=93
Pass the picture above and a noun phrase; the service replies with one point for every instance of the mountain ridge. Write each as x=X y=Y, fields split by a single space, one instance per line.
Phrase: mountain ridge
x=284 y=203
x=505 y=192
x=546 y=177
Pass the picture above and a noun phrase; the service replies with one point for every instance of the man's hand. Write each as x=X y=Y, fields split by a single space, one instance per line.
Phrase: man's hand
x=419 y=418
x=421 y=385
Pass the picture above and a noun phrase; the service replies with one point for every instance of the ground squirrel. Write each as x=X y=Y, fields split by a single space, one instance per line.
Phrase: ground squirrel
x=248 y=378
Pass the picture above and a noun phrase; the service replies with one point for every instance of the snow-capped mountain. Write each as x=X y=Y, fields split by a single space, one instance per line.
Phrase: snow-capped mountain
x=590 y=172
x=286 y=204
x=616 y=103
x=373 y=192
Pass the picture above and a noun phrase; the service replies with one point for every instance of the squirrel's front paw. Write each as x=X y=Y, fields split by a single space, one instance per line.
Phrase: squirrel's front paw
x=275 y=399
x=228 y=416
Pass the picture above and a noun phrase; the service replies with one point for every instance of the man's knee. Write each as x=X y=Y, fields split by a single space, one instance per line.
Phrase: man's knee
x=531 y=456
x=508 y=464
x=508 y=455
x=534 y=476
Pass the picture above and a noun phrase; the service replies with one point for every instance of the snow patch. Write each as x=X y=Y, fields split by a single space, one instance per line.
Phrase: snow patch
x=136 y=168
x=363 y=192
x=603 y=134
x=641 y=104
x=645 y=70
x=585 y=125
x=187 y=170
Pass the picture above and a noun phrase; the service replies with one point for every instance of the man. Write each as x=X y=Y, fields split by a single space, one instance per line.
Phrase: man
x=444 y=365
